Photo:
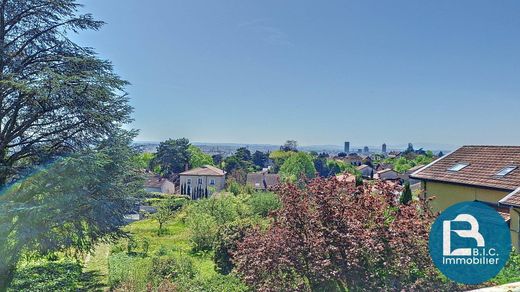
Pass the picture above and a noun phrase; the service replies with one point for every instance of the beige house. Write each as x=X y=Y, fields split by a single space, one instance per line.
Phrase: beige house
x=201 y=182
x=488 y=174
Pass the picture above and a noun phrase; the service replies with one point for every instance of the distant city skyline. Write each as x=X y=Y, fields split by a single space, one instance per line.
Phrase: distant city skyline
x=329 y=147
x=267 y=71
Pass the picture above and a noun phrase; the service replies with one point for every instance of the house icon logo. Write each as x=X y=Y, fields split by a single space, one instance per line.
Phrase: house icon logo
x=471 y=233
x=470 y=242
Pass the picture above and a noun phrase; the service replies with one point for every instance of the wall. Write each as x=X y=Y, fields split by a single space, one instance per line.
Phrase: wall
x=168 y=187
x=450 y=194
x=515 y=227
x=219 y=181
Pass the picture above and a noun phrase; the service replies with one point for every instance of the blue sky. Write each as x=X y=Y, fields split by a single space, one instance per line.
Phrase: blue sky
x=319 y=72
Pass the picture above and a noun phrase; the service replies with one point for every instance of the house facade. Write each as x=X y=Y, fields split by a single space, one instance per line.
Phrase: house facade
x=202 y=182
x=488 y=174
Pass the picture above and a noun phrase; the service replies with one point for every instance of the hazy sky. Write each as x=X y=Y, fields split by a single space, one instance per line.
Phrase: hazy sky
x=319 y=72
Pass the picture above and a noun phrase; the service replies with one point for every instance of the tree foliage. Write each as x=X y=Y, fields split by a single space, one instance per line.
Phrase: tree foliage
x=226 y=244
x=331 y=236
x=241 y=161
x=143 y=160
x=260 y=159
x=198 y=158
x=290 y=145
x=279 y=157
x=55 y=96
x=207 y=215
x=243 y=154
x=173 y=156
x=69 y=206
x=232 y=163
x=406 y=196
x=298 y=165
x=217 y=159
x=164 y=213
x=330 y=167
x=403 y=164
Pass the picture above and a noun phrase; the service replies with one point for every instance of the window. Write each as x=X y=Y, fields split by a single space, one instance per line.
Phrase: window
x=506 y=170
x=458 y=167
x=212 y=182
x=189 y=181
x=200 y=181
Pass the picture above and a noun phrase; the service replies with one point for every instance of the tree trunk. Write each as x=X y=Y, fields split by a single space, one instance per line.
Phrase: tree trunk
x=6 y=277
x=3 y=179
x=3 y=176
x=5 y=168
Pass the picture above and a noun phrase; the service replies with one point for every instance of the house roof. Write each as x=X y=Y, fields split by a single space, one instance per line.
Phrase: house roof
x=513 y=199
x=415 y=168
x=385 y=170
x=361 y=167
x=206 y=170
x=483 y=164
x=387 y=174
x=154 y=181
x=502 y=211
x=382 y=166
x=257 y=179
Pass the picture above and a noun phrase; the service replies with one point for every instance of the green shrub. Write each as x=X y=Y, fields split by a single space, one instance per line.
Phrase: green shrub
x=203 y=230
x=234 y=187
x=52 y=257
x=226 y=243
x=48 y=276
x=172 y=268
x=217 y=283
x=237 y=189
x=511 y=271
x=129 y=272
x=121 y=246
x=146 y=246
x=222 y=208
x=162 y=251
x=204 y=216
x=131 y=245
x=263 y=203
x=248 y=189
x=406 y=195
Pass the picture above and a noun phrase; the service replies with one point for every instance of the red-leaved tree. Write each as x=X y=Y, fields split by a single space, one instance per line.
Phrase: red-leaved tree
x=331 y=236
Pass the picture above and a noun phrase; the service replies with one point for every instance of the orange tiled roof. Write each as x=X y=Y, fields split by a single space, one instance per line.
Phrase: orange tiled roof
x=513 y=199
x=483 y=164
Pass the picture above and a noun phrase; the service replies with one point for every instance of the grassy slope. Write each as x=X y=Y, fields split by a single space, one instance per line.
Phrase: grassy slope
x=97 y=262
x=175 y=239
